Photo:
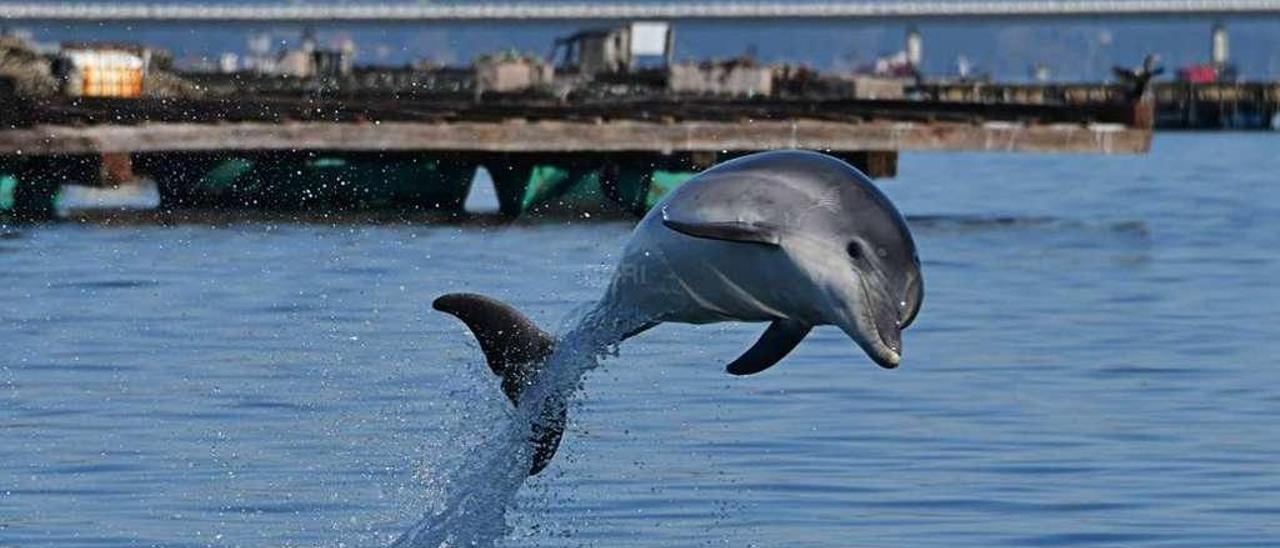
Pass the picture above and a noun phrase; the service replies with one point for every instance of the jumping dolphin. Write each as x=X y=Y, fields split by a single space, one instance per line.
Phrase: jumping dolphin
x=797 y=239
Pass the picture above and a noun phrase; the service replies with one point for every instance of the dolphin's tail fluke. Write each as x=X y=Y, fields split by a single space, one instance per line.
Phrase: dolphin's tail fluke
x=515 y=349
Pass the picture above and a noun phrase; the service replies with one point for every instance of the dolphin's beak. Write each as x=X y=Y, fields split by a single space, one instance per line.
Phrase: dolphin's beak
x=888 y=322
x=869 y=316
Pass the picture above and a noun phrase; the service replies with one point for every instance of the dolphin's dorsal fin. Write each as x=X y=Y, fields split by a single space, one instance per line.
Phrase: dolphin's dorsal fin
x=778 y=340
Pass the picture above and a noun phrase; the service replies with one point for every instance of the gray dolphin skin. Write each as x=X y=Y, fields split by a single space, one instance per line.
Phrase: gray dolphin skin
x=793 y=238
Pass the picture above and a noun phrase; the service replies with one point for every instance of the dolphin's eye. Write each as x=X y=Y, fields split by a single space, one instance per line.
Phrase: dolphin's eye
x=854 y=250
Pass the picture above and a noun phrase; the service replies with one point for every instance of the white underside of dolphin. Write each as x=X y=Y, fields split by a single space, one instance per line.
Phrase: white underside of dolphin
x=796 y=239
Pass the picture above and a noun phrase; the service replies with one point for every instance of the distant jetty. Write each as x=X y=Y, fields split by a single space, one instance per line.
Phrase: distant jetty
x=1177 y=105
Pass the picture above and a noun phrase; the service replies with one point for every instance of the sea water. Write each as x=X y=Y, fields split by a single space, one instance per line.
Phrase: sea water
x=1095 y=363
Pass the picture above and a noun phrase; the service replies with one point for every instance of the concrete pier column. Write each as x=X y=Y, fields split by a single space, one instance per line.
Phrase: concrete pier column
x=914 y=48
x=447 y=188
x=1220 y=46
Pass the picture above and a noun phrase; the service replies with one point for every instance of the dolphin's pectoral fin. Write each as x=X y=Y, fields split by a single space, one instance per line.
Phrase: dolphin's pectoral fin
x=776 y=342
x=545 y=436
x=732 y=231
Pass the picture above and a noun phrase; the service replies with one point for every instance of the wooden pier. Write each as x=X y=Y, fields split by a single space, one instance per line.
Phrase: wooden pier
x=346 y=152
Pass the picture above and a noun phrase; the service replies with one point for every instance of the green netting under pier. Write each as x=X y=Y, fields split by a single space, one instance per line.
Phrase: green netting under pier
x=552 y=189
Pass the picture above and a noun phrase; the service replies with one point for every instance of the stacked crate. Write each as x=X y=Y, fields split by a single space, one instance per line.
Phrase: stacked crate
x=103 y=73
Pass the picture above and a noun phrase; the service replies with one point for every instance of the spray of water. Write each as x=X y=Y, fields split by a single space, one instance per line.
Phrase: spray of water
x=475 y=493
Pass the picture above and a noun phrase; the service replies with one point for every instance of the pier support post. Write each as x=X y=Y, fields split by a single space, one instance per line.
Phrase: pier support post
x=510 y=174
x=876 y=164
x=176 y=175
x=117 y=169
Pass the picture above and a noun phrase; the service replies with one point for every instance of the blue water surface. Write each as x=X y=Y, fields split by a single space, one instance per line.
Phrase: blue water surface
x=1095 y=363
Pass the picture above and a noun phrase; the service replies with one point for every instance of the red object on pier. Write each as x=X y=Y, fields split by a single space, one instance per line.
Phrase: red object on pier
x=1198 y=74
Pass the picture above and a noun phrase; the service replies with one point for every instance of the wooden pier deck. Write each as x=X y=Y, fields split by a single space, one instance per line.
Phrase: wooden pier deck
x=89 y=126
x=585 y=137
x=304 y=152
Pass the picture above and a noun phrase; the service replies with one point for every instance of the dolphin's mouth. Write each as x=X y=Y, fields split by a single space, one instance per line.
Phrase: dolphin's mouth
x=883 y=352
x=882 y=336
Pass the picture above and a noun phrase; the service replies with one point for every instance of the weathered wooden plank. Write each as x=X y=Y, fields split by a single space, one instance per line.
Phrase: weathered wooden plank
x=375 y=107
x=585 y=137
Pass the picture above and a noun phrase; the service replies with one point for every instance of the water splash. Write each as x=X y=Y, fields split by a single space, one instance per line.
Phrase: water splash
x=473 y=495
